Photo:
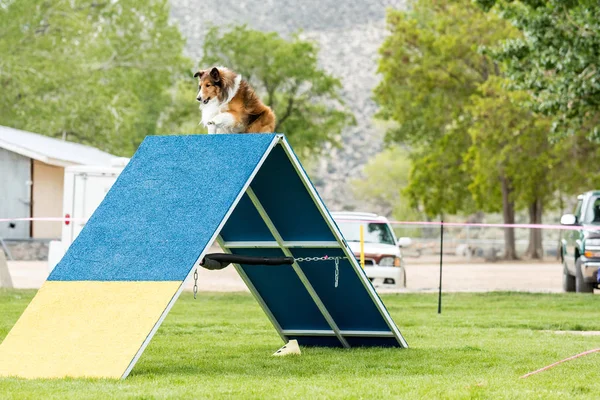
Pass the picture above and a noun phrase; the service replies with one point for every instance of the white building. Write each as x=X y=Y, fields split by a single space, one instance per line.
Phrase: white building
x=32 y=171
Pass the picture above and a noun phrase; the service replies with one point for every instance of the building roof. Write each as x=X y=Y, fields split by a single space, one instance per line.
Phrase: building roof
x=50 y=150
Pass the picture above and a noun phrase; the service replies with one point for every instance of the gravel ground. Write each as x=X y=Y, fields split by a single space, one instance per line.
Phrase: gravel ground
x=422 y=276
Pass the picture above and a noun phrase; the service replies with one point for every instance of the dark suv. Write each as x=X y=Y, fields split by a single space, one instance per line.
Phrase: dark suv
x=580 y=253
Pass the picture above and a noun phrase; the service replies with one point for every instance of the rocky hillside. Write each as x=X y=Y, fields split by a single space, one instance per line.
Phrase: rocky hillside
x=349 y=34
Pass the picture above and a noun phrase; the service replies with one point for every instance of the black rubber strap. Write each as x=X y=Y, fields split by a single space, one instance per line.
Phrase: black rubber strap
x=221 y=260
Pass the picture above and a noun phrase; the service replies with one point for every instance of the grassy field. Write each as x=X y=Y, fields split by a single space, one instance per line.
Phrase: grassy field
x=220 y=346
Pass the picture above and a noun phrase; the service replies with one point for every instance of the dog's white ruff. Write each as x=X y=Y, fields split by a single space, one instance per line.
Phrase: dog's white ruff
x=214 y=114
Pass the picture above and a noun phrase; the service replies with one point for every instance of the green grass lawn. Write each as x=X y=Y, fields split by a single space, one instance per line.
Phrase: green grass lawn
x=220 y=346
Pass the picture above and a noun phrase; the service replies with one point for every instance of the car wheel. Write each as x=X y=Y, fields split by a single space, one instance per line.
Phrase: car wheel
x=581 y=285
x=568 y=279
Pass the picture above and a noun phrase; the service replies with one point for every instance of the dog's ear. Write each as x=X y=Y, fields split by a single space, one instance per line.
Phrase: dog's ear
x=199 y=74
x=215 y=74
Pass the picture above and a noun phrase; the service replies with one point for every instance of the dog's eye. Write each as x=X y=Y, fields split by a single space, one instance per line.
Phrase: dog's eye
x=208 y=85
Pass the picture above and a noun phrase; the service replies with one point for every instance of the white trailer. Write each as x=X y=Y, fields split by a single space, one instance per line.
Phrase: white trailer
x=84 y=189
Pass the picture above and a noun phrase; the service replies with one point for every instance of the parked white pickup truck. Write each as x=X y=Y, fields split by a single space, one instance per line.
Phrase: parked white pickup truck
x=384 y=264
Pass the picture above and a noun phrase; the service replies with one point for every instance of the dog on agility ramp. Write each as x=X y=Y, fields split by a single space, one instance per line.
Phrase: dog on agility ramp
x=229 y=105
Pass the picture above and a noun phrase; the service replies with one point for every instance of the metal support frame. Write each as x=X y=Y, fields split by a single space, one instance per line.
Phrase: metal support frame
x=254 y=292
x=275 y=245
x=338 y=235
x=313 y=294
x=316 y=332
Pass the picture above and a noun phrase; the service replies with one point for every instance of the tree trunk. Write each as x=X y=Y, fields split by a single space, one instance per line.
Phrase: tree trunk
x=535 y=249
x=508 y=212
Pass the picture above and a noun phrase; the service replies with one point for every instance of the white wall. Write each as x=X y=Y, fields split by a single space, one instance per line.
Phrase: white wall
x=15 y=193
x=47 y=199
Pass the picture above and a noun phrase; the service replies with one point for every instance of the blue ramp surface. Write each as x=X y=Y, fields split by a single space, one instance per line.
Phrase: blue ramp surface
x=164 y=209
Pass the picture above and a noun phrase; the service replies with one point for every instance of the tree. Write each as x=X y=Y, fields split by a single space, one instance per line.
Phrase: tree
x=385 y=179
x=305 y=98
x=432 y=67
x=510 y=157
x=439 y=181
x=182 y=114
x=557 y=59
x=480 y=130
x=93 y=72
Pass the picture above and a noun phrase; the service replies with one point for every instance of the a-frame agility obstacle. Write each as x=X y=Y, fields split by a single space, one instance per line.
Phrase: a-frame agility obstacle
x=104 y=301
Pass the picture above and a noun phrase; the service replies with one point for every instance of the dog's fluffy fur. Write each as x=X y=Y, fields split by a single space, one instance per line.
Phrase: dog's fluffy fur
x=229 y=105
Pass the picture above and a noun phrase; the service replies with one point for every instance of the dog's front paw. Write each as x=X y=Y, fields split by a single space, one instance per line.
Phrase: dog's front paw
x=212 y=128
x=218 y=119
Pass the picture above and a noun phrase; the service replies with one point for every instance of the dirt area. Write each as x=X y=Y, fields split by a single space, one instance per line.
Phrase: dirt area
x=422 y=276
x=484 y=277
x=476 y=275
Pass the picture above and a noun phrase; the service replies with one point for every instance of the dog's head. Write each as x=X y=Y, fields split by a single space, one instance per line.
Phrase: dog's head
x=210 y=85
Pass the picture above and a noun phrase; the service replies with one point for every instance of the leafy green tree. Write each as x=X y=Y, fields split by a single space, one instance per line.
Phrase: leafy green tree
x=439 y=181
x=510 y=157
x=181 y=116
x=477 y=136
x=557 y=59
x=580 y=156
x=432 y=67
x=385 y=178
x=305 y=98
x=93 y=72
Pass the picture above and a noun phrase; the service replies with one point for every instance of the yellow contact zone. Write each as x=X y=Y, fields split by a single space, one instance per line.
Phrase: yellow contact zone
x=83 y=328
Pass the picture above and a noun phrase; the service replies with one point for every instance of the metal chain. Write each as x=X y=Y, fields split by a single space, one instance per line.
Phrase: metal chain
x=195 y=283
x=326 y=258
x=337 y=271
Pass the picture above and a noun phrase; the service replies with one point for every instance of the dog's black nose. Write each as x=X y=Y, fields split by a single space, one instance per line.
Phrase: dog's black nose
x=199 y=98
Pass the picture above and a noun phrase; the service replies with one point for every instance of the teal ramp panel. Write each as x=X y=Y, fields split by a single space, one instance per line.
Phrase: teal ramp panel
x=282 y=214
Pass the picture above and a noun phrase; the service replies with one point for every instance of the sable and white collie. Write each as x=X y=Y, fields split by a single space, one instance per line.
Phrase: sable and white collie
x=229 y=105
